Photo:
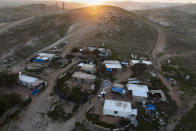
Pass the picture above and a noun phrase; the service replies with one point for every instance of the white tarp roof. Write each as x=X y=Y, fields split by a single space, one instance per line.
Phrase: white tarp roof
x=113 y=66
x=138 y=90
x=141 y=61
x=46 y=55
x=90 y=66
x=117 y=106
x=134 y=112
x=84 y=75
x=111 y=62
x=27 y=79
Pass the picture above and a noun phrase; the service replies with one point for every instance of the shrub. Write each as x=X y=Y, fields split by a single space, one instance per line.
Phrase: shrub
x=77 y=96
x=74 y=50
x=8 y=79
x=8 y=101
x=139 y=69
x=75 y=108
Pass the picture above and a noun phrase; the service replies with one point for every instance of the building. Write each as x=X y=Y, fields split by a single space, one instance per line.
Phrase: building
x=44 y=57
x=138 y=92
x=81 y=77
x=89 y=68
x=112 y=66
x=118 y=90
x=133 y=62
x=119 y=108
x=157 y=95
x=31 y=82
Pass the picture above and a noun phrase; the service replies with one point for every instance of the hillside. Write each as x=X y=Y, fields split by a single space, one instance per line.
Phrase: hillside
x=179 y=26
x=9 y=14
x=119 y=29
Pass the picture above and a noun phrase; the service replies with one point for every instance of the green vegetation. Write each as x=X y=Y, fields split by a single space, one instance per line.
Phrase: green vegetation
x=8 y=79
x=139 y=69
x=75 y=108
x=58 y=114
x=74 y=50
x=188 y=121
x=79 y=127
x=77 y=96
x=8 y=101
x=177 y=71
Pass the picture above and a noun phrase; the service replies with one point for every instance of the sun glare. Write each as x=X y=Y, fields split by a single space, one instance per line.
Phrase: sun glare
x=89 y=2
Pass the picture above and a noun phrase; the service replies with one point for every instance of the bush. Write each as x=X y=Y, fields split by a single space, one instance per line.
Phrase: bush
x=139 y=69
x=77 y=96
x=188 y=121
x=74 y=50
x=75 y=108
x=79 y=127
x=8 y=101
x=59 y=114
x=8 y=79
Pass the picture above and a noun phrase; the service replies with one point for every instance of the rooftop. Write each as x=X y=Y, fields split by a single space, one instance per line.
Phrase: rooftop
x=111 y=62
x=141 y=61
x=138 y=90
x=28 y=79
x=83 y=75
x=113 y=66
x=117 y=106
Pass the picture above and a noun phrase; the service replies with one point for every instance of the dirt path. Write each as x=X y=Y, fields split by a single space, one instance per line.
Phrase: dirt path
x=174 y=92
x=30 y=119
x=14 y=24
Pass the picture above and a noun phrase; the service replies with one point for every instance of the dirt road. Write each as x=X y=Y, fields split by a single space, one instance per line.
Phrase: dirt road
x=30 y=120
x=174 y=92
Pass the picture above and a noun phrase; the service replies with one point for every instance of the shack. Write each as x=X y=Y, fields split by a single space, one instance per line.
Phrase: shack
x=118 y=90
x=112 y=66
x=89 y=68
x=44 y=57
x=81 y=77
x=118 y=108
x=139 y=93
x=31 y=82
x=157 y=95
x=133 y=62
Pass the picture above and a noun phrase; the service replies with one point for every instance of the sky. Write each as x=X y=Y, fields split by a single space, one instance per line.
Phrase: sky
x=171 y=1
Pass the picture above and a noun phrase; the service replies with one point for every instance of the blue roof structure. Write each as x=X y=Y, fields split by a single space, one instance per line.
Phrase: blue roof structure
x=35 y=92
x=117 y=90
x=150 y=107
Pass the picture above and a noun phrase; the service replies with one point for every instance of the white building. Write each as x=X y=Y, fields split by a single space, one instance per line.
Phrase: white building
x=112 y=65
x=81 y=77
x=119 y=108
x=87 y=67
x=139 y=92
x=44 y=57
x=31 y=82
x=133 y=62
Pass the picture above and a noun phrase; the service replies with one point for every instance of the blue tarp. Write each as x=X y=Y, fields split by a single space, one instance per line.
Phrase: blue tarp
x=150 y=107
x=35 y=92
x=118 y=90
x=108 y=69
x=39 y=60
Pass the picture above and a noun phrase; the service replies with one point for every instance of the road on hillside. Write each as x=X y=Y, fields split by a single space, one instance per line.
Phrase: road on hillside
x=40 y=103
x=174 y=92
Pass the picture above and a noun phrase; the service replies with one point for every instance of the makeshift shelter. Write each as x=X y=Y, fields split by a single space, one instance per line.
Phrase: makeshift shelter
x=87 y=67
x=139 y=92
x=118 y=90
x=150 y=109
x=44 y=57
x=133 y=62
x=112 y=66
x=81 y=77
x=30 y=82
x=118 y=108
x=157 y=95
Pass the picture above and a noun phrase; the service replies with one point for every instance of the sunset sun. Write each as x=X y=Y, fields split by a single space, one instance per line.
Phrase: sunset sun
x=89 y=2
